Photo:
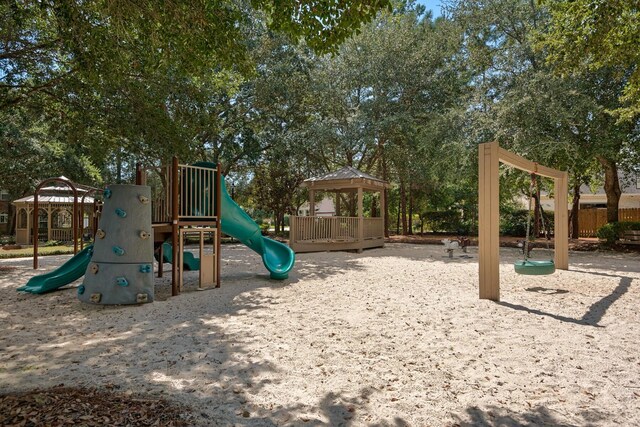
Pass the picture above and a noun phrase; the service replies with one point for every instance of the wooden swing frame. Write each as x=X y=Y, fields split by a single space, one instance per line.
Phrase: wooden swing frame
x=489 y=157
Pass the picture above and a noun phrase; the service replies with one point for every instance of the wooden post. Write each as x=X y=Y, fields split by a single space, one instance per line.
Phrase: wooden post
x=218 y=193
x=489 y=221
x=35 y=230
x=49 y=223
x=337 y=203
x=175 y=195
x=561 y=222
x=360 y=221
x=382 y=215
x=312 y=202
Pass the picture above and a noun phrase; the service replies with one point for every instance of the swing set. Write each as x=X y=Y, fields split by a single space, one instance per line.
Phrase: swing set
x=526 y=265
x=489 y=157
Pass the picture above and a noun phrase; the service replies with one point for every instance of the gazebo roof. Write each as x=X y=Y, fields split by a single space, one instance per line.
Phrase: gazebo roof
x=346 y=178
x=57 y=199
x=58 y=193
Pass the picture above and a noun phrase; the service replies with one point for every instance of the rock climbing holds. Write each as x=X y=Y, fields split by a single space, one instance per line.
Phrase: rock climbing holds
x=144 y=200
x=80 y=289
x=100 y=234
x=144 y=234
x=140 y=298
x=118 y=250
x=106 y=193
x=94 y=268
x=121 y=281
x=145 y=268
x=121 y=213
x=95 y=298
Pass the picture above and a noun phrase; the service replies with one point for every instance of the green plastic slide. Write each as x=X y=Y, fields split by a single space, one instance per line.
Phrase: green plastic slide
x=68 y=272
x=277 y=257
x=189 y=261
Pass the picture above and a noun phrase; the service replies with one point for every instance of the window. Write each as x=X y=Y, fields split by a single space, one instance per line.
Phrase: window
x=4 y=195
x=4 y=218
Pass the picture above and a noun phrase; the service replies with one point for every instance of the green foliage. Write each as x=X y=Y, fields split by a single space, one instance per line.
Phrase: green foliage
x=613 y=231
x=610 y=232
x=443 y=221
x=592 y=35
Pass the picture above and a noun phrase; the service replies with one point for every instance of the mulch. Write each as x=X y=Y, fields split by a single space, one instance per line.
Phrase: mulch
x=77 y=406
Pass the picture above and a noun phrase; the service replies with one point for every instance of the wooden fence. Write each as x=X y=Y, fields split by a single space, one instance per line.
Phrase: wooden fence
x=590 y=220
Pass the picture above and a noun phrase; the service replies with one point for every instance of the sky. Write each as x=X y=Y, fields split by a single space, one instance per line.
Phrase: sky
x=434 y=5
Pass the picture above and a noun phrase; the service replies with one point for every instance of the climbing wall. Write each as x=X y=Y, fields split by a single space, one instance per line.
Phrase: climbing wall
x=121 y=268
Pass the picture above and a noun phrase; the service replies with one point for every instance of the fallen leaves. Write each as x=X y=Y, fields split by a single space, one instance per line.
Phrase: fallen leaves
x=69 y=406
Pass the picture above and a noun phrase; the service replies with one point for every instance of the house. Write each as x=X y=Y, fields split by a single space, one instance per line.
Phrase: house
x=325 y=207
x=629 y=199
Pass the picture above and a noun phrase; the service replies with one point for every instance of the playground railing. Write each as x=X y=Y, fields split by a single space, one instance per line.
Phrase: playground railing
x=197 y=192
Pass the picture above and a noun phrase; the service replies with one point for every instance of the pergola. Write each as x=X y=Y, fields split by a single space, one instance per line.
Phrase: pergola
x=55 y=216
x=336 y=233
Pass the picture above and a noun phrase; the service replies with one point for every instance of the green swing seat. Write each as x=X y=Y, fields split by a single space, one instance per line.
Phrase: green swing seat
x=535 y=268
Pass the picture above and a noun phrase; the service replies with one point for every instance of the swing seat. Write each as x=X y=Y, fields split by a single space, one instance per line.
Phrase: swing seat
x=535 y=268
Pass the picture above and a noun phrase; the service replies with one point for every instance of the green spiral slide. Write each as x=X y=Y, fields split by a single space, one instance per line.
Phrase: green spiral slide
x=277 y=257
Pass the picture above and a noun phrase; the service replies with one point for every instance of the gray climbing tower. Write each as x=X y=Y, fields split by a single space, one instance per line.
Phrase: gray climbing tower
x=121 y=268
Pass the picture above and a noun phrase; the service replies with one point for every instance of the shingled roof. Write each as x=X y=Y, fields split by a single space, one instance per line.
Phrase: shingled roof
x=346 y=175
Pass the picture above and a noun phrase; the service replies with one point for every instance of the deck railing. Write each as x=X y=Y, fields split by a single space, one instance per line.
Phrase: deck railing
x=324 y=229
x=334 y=228
x=373 y=228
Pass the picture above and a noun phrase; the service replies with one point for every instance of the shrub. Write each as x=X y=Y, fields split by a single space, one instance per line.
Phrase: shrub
x=614 y=230
x=441 y=221
x=514 y=223
x=51 y=243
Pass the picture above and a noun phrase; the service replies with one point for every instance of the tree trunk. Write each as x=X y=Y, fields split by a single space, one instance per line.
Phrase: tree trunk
x=611 y=187
x=575 y=211
x=410 y=231
x=403 y=207
x=398 y=216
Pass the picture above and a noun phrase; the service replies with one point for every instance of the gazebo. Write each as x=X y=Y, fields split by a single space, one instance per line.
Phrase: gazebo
x=336 y=233
x=55 y=212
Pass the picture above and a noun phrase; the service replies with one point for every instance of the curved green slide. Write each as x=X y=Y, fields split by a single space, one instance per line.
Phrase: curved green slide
x=68 y=272
x=277 y=257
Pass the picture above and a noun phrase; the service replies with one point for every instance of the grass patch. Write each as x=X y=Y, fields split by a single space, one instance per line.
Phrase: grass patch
x=42 y=251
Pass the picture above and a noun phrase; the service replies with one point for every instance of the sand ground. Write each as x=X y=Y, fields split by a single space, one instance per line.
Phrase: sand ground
x=390 y=337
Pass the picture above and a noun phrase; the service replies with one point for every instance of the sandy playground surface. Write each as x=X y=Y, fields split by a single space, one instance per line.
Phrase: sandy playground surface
x=390 y=337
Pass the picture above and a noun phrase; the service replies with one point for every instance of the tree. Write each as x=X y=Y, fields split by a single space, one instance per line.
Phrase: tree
x=592 y=35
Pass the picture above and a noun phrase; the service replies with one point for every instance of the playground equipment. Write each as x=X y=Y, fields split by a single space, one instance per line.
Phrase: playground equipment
x=189 y=263
x=451 y=245
x=121 y=268
x=68 y=272
x=193 y=199
x=526 y=265
x=489 y=157
x=190 y=200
